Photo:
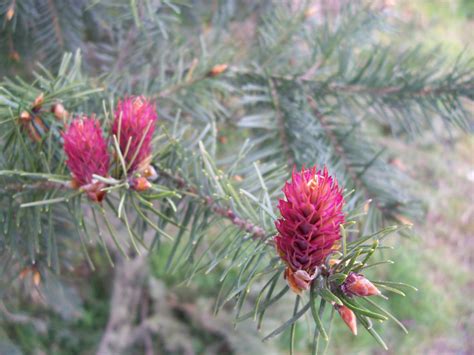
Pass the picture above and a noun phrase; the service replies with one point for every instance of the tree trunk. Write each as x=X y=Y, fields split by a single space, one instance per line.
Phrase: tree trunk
x=130 y=276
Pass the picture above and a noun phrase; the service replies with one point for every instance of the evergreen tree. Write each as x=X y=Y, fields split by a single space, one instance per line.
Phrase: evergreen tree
x=133 y=129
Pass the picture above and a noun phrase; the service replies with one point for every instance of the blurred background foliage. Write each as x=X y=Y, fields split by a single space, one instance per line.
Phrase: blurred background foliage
x=438 y=260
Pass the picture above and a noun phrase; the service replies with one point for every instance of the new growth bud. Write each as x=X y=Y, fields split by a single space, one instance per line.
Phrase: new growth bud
x=348 y=317
x=34 y=126
x=38 y=103
x=357 y=285
x=59 y=111
x=218 y=69
x=14 y=56
x=10 y=12
x=140 y=184
x=25 y=117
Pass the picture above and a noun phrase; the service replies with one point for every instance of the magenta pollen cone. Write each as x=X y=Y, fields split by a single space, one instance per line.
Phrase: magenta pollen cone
x=309 y=227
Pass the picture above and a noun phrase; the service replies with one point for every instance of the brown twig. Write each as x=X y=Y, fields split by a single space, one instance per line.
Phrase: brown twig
x=251 y=228
x=254 y=230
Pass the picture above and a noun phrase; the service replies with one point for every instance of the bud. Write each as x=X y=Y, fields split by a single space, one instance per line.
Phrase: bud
x=14 y=55
x=10 y=12
x=367 y=205
x=59 y=112
x=348 y=317
x=404 y=220
x=25 y=117
x=333 y=262
x=93 y=190
x=357 y=285
x=218 y=69
x=398 y=163
x=38 y=102
x=238 y=178
x=33 y=125
x=74 y=184
x=140 y=184
x=36 y=278
x=146 y=170
x=150 y=173
x=300 y=280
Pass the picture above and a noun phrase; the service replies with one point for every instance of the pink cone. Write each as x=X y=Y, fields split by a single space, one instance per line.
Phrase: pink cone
x=136 y=117
x=311 y=217
x=87 y=154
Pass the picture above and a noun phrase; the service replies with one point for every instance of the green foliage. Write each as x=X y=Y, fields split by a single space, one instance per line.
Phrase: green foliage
x=467 y=8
